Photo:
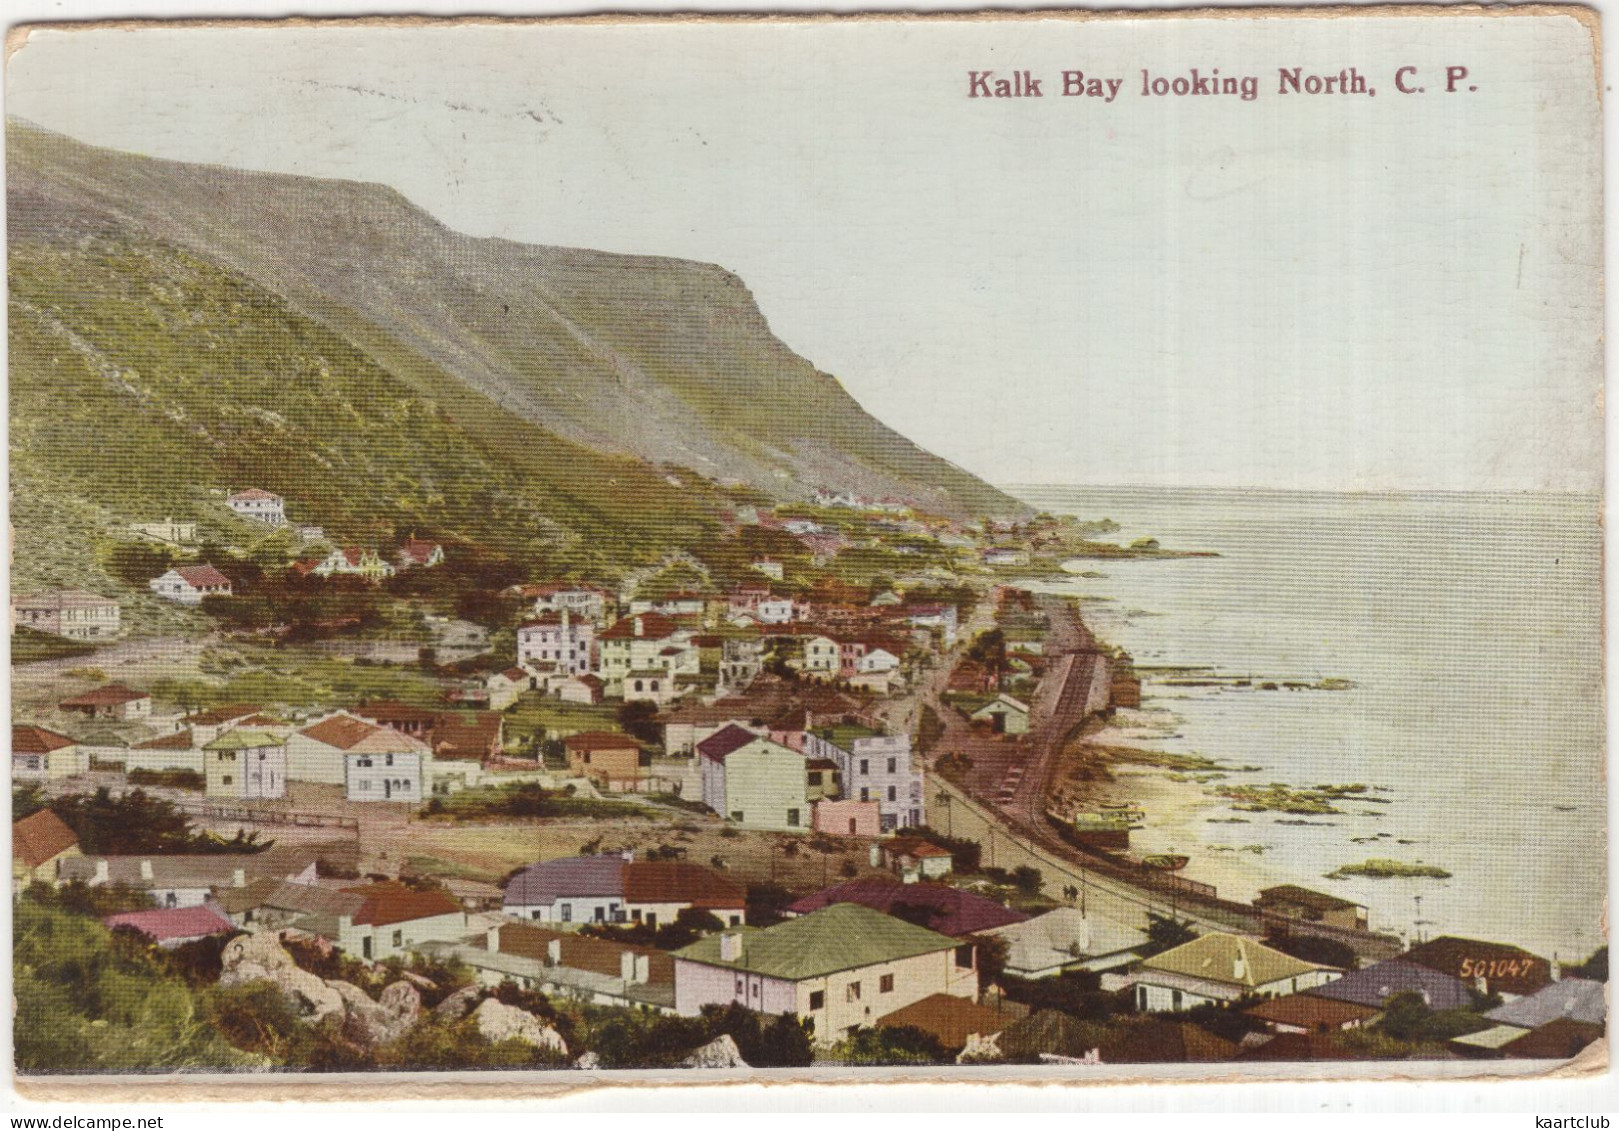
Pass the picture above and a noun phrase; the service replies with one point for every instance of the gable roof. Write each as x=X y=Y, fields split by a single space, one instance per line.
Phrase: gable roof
x=724 y=742
x=1215 y=957
x=245 y=738
x=386 y=903
x=670 y=881
x=953 y=911
x=201 y=576
x=654 y=626
x=542 y=884
x=37 y=740
x=845 y=936
x=1305 y=897
x=1576 y=999
x=582 y=952
x=345 y=732
x=226 y=714
x=1055 y=938
x=165 y=923
x=255 y=493
x=41 y=837
x=1310 y=1012
x=1375 y=984
x=108 y=695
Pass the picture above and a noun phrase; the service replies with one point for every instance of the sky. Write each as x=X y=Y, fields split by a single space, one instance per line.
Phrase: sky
x=1399 y=291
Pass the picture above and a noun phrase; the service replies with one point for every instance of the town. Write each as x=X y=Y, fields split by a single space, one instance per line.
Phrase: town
x=810 y=793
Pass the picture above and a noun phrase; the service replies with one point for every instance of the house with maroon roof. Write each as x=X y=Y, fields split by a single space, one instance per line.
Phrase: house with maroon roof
x=38 y=754
x=38 y=841
x=938 y=907
x=110 y=701
x=170 y=927
x=467 y=735
x=368 y=921
x=419 y=553
x=1488 y=967
x=188 y=585
x=504 y=687
x=750 y=780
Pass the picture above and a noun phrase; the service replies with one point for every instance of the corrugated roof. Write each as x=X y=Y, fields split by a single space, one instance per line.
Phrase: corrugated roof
x=41 y=837
x=845 y=936
x=167 y=923
x=1230 y=960
x=1577 y=999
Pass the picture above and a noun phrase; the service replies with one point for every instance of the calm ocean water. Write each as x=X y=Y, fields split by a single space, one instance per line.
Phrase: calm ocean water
x=1470 y=626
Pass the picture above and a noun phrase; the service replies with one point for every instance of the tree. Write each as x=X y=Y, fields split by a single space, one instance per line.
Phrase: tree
x=1314 y=948
x=992 y=954
x=1595 y=968
x=639 y=721
x=1027 y=880
x=899 y=1044
x=1166 y=933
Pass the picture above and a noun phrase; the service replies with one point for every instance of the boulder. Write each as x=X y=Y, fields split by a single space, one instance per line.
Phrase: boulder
x=260 y=957
x=721 y=1052
x=588 y=1062
x=499 y=1022
x=458 y=1004
x=402 y=1002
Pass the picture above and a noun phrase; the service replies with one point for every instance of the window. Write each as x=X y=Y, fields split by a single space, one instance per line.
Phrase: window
x=736 y=920
x=226 y=780
x=739 y=991
x=892 y=794
x=399 y=938
x=964 y=957
x=365 y=946
x=567 y=912
x=851 y=992
x=736 y=815
x=535 y=914
x=885 y=984
x=1174 y=999
x=864 y=792
x=792 y=818
x=815 y=777
x=893 y=764
x=817 y=999
x=865 y=766
x=756 y=989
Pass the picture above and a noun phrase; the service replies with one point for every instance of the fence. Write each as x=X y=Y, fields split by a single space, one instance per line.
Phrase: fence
x=268 y=816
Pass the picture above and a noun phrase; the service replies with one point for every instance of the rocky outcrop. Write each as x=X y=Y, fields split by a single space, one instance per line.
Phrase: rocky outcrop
x=588 y=1062
x=261 y=958
x=721 y=1052
x=499 y=1022
x=458 y=1004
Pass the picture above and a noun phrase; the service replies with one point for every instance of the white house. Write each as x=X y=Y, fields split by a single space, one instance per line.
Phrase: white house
x=383 y=777
x=581 y=601
x=873 y=767
x=562 y=639
x=1217 y=968
x=259 y=505
x=72 y=613
x=320 y=753
x=504 y=687
x=188 y=585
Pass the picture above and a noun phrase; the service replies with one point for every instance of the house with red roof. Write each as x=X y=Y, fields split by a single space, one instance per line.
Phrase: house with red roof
x=638 y=643
x=188 y=585
x=419 y=553
x=178 y=750
x=750 y=780
x=110 y=701
x=354 y=561
x=173 y=926
x=38 y=754
x=504 y=687
x=38 y=841
x=368 y=921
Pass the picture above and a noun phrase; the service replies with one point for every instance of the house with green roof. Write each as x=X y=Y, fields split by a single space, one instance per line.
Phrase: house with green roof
x=246 y=764
x=1218 y=967
x=842 y=968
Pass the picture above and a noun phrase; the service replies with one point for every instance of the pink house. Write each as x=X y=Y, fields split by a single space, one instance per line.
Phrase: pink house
x=847 y=818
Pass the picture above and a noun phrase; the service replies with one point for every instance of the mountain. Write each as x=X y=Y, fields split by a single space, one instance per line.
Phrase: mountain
x=180 y=329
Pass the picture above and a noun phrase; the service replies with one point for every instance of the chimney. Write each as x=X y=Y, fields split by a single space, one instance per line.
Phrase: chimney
x=1239 y=969
x=1482 y=985
x=730 y=947
x=640 y=628
x=146 y=869
x=238 y=878
x=1427 y=998
x=643 y=970
x=565 y=621
x=101 y=875
x=626 y=967
x=1557 y=968
x=553 y=952
x=491 y=940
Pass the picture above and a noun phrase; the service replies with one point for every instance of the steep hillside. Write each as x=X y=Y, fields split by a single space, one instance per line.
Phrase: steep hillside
x=176 y=327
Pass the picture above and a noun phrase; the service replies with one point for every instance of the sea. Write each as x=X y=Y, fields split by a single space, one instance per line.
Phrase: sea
x=1469 y=629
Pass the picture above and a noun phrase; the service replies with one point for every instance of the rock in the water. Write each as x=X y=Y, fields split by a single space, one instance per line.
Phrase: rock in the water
x=261 y=958
x=588 y=1062
x=721 y=1052
x=500 y=1022
x=458 y=1004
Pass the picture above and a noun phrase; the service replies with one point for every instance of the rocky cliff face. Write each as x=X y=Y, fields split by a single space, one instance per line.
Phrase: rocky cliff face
x=360 y=346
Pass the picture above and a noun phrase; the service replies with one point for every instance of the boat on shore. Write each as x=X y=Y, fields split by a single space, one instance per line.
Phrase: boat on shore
x=1165 y=862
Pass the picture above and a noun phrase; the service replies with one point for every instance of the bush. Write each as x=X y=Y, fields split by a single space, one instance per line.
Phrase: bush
x=171 y=779
x=1314 y=948
x=901 y=1044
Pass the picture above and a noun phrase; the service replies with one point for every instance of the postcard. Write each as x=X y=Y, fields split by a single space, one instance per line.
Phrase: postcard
x=1057 y=546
